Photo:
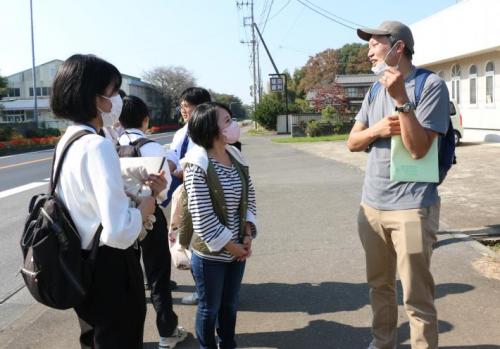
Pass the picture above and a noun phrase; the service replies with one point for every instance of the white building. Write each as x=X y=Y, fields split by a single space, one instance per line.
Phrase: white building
x=462 y=44
x=18 y=105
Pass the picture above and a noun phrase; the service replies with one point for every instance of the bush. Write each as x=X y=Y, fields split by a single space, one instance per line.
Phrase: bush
x=41 y=132
x=6 y=133
x=328 y=112
x=313 y=129
x=267 y=111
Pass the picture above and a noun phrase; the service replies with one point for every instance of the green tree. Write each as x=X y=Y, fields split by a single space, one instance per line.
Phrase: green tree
x=3 y=86
x=267 y=111
x=233 y=102
x=169 y=82
x=353 y=59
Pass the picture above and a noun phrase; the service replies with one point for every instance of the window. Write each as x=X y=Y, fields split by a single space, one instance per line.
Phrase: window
x=41 y=91
x=473 y=84
x=13 y=92
x=455 y=83
x=490 y=72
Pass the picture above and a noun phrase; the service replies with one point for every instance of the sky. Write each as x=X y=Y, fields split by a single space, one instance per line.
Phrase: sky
x=204 y=36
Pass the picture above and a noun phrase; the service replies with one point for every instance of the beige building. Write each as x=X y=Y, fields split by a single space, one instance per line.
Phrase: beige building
x=18 y=105
x=462 y=44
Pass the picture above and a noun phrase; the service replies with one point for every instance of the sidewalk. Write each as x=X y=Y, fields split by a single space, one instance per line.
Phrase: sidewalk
x=304 y=287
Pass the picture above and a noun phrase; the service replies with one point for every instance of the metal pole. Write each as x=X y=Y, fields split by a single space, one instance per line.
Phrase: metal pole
x=33 y=65
x=265 y=46
x=259 y=80
x=286 y=100
x=254 y=65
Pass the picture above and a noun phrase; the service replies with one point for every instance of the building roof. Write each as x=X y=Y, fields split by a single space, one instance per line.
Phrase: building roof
x=467 y=28
x=24 y=104
x=29 y=69
x=367 y=79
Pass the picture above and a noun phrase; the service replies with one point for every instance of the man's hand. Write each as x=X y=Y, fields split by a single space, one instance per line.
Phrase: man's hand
x=157 y=182
x=393 y=81
x=387 y=127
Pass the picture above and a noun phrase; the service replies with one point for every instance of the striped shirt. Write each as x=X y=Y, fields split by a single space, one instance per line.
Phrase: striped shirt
x=205 y=221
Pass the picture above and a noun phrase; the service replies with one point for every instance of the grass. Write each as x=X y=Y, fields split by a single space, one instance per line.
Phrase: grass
x=495 y=247
x=331 y=138
x=259 y=132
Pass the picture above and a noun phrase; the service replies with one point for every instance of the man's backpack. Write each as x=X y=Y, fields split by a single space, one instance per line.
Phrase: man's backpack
x=54 y=269
x=446 y=156
x=133 y=148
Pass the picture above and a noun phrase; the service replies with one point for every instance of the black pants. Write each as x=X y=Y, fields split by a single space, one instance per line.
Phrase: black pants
x=113 y=314
x=157 y=265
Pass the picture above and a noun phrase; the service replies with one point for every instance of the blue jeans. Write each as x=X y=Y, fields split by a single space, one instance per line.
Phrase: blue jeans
x=218 y=286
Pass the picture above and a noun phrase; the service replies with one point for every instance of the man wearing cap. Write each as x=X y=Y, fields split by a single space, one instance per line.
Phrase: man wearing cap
x=398 y=221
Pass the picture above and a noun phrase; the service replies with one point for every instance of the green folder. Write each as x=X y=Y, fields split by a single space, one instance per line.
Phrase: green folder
x=406 y=169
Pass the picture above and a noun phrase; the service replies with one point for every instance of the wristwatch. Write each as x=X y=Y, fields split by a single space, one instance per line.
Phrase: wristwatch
x=406 y=108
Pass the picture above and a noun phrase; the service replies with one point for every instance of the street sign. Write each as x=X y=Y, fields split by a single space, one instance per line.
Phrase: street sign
x=277 y=84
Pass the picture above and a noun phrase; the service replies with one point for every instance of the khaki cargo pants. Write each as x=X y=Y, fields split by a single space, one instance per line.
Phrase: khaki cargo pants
x=403 y=240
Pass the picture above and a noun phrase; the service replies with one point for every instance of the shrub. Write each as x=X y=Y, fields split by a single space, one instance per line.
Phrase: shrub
x=313 y=129
x=6 y=133
x=267 y=111
x=41 y=132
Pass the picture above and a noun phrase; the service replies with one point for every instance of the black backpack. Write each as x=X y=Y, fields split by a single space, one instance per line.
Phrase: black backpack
x=133 y=148
x=55 y=270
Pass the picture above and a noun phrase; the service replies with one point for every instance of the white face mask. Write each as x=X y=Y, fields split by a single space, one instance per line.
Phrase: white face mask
x=231 y=133
x=111 y=118
x=381 y=67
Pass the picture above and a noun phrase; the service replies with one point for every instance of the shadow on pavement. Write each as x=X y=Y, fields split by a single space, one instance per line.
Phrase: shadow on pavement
x=326 y=334
x=326 y=297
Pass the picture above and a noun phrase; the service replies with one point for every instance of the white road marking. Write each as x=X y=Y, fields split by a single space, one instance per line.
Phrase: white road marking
x=20 y=189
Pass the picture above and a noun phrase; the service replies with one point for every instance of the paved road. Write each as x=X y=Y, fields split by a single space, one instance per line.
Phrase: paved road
x=304 y=287
x=21 y=177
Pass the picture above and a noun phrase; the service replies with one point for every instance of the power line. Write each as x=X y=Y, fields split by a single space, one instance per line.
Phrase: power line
x=333 y=14
x=263 y=12
x=326 y=16
x=281 y=9
x=268 y=12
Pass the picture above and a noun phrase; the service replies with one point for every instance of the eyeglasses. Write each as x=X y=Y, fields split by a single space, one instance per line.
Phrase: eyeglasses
x=186 y=106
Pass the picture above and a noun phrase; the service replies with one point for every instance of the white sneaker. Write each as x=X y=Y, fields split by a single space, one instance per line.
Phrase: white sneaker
x=192 y=299
x=170 y=342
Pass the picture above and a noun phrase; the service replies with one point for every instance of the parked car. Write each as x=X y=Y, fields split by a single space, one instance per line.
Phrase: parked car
x=456 y=121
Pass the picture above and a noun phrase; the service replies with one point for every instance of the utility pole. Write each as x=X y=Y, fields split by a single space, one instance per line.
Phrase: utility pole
x=259 y=79
x=283 y=76
x=254 y=67
x=250 y=22
x=35 y=111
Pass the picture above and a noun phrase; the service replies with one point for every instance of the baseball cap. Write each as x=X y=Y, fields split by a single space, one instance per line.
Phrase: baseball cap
x=396 y=30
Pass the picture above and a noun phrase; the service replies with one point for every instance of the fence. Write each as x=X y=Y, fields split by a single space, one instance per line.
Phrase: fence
x=296 y=119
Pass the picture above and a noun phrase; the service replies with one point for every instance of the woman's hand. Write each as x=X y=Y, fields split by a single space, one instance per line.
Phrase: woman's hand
x=157 y=182
x=247 y=244
x=237 y=250
x=248 y=229
x=147 y=207
x=178 y=173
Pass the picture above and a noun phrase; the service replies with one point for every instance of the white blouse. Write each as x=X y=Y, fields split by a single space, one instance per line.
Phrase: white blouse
x=176 y=144
x=91 y=188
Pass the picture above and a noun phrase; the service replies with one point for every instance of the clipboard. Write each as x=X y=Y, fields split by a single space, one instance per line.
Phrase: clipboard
x=406 y=169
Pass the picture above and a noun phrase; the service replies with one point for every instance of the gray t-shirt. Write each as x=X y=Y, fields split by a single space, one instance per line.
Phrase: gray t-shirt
x=432 y=113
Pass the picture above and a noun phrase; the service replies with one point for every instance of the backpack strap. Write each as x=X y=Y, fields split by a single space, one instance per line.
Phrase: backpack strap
x=373 y=91
x=138 y=143
x=421 y=76
x=55 y=173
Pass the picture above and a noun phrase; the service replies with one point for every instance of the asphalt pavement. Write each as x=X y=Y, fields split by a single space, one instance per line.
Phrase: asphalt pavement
x=21 y=177
x=304 y=286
